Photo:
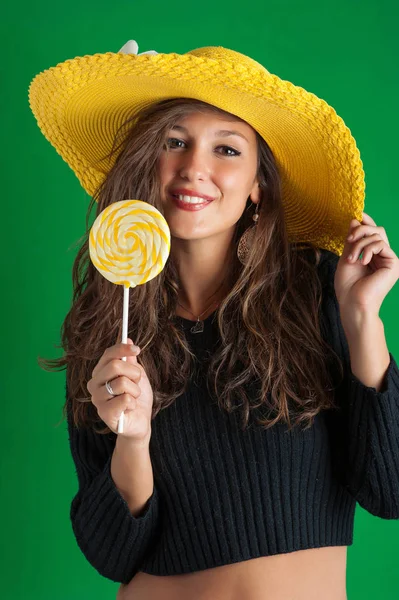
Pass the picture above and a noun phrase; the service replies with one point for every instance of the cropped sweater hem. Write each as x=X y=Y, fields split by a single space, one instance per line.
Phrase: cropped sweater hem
x=223 y=495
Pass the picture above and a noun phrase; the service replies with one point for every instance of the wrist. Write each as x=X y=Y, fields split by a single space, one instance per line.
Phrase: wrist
x=127 y=443
x=355 y=322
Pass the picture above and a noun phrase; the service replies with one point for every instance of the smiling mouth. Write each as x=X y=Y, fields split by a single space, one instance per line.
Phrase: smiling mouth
x=191 y=205
x=191 y=199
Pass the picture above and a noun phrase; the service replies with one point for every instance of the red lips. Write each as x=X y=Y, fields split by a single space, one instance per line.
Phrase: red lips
x=188 y=206
x=186 y=192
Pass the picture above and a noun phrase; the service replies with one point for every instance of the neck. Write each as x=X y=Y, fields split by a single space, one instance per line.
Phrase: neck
x=202 y=268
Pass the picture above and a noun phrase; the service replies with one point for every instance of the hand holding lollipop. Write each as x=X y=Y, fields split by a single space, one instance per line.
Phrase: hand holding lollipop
x=129 y=244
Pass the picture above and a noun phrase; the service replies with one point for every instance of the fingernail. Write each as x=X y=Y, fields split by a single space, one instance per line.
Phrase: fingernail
x=350 y=237
x=134 y=348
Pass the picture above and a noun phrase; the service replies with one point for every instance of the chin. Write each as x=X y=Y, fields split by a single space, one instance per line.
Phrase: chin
x=187 y=237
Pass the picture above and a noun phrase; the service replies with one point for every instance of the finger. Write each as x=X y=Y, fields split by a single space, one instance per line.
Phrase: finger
x=120 y=385
x=380 y=248
x=353 y=226
x=366 y=230
x=348 y=246
x=132 y=358
x=363 y=243
x=122 y=403
x=118 y=351
x=118 y=368
x=367 y=220
x=359 y=246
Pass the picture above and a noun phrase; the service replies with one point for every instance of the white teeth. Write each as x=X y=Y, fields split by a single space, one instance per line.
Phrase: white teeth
x=191 y=199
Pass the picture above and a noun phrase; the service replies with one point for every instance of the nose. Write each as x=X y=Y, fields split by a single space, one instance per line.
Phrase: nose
x=194 y=164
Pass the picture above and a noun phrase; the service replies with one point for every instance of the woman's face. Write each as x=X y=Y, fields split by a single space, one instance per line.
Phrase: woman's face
x=204 y=158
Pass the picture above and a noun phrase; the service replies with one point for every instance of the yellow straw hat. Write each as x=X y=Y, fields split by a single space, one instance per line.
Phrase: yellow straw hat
x=80 y=104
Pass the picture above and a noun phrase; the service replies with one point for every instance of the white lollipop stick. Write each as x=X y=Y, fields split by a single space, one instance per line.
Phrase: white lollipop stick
x=129 y=245
x=124 y=340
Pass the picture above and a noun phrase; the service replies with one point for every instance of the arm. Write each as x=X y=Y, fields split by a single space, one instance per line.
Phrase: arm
x=369 y=354
x=131 y=470
x=366 y=431
x=113 y=540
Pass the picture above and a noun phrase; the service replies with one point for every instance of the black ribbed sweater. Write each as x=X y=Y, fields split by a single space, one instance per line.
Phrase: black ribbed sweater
x=223 y=495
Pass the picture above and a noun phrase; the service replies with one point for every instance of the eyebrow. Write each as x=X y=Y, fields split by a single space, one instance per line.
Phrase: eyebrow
x=220 y=133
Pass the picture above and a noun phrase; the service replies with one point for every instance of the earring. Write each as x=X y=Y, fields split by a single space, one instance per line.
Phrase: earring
x=246 y=240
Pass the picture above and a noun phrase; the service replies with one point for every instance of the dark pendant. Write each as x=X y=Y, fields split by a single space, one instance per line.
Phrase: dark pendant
x=198 y=327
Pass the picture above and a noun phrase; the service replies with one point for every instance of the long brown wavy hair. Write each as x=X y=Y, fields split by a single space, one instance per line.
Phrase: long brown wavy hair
x=268 y=322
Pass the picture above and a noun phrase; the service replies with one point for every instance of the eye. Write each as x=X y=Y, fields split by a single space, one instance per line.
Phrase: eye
x=235 y=152
x=173 y=140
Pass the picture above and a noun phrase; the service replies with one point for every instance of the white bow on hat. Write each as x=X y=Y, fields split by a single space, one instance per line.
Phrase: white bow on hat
x=131 y=47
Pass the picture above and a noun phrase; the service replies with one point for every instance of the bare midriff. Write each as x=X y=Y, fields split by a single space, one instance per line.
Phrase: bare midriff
x=303 y=575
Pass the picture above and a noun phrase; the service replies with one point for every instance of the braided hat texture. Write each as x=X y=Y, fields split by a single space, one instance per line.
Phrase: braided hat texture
x=81 y=103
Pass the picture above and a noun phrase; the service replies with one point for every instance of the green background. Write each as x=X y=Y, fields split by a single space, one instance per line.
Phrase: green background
x=344 y=52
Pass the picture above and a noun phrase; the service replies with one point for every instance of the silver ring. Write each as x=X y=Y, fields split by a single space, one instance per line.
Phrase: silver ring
x=109 y=388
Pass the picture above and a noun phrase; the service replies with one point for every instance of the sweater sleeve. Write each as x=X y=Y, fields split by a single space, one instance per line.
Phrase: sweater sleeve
x=367 y=427
x=111 y=538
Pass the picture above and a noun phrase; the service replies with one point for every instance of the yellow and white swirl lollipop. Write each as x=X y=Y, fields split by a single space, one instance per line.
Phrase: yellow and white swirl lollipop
x=129 y=244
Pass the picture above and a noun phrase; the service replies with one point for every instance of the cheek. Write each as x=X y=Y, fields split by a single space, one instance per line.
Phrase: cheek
x=230 y=181
x=235 y=188
x=233 y=178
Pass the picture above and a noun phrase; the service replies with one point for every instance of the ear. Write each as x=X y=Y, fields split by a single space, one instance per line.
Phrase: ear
x=255 y=193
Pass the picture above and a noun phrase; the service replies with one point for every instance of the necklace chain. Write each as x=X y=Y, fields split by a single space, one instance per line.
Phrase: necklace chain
x=199 y=326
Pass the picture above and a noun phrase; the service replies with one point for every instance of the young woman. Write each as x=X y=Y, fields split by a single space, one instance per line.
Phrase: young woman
x=261 y=402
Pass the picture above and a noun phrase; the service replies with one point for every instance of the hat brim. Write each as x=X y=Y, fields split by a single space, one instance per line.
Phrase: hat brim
x=81 y=103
